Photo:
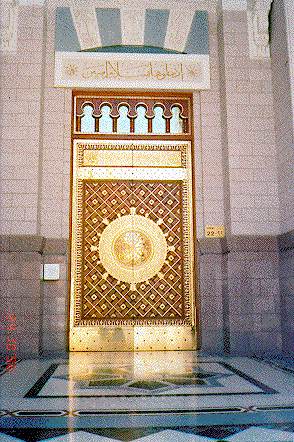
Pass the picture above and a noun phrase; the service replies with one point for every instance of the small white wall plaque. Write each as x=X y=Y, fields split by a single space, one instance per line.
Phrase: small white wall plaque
x=214 y=231
x=51 y=272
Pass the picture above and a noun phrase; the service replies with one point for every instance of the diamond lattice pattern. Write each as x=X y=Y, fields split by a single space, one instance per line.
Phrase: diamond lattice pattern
x=104 y=297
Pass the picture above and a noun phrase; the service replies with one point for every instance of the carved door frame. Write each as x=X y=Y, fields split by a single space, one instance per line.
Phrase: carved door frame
x=176 y=153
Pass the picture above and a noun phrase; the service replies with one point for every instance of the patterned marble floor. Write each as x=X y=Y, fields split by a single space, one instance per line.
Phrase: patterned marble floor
x=147 y=397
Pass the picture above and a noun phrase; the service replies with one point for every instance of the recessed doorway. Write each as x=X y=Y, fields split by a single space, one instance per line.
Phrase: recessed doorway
x=132 y=248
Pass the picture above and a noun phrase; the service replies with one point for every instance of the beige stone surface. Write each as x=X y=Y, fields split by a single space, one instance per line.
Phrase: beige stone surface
x=250 y=123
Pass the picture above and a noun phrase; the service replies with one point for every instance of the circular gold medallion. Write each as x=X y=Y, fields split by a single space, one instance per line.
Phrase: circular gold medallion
x=132 y=248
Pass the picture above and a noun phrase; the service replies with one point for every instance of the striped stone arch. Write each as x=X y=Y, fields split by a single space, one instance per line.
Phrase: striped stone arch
x=131 y=30
x=138 y=48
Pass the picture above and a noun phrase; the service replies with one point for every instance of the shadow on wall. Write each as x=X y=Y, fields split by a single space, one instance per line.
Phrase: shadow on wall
x=40 y=308
x=244 y=307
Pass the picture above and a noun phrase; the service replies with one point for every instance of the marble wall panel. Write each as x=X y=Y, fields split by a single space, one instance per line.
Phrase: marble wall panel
x=40 y=307
x=246 y=126
x=240 y=297
x=254 y=302
x=286 y=267
x=282 y=58
x=20 y=295
x=211 y=305
x=19 y=91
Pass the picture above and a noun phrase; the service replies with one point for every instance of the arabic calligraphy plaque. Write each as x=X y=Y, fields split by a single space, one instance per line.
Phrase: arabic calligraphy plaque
x=177 y=71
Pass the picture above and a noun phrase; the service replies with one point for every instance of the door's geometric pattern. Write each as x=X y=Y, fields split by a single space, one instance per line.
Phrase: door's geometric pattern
x=162 y=298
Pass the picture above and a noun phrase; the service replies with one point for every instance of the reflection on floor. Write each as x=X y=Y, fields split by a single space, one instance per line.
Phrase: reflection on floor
x=147 y=397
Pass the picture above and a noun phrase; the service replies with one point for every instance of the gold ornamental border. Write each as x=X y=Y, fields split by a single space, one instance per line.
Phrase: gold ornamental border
x=169 y=174
x=81 y=146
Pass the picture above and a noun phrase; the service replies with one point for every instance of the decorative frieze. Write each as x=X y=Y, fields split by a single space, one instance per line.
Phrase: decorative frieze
x=128 y=158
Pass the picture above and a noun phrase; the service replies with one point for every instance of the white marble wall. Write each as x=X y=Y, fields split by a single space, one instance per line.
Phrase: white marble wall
x=36 y=165
x=208 y=147
x=55 y=189
x=251 y=138
x=20 y=119
x=285 y=120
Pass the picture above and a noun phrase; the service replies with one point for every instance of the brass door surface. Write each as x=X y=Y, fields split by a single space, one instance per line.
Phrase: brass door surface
x=132 y=246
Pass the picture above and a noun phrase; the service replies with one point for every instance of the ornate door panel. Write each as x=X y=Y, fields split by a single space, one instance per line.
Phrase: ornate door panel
x=132 y=246
x=132 y=225
x=132 y=253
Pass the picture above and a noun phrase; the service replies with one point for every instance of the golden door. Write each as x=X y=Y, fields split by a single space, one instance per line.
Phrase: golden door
x=132 y=246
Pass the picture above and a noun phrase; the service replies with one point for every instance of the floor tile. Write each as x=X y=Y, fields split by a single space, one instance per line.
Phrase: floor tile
x=80 y=436
x=188 y=434
x=5 y=438
x=174 y=436
x=257 y=434
x=126 y=380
